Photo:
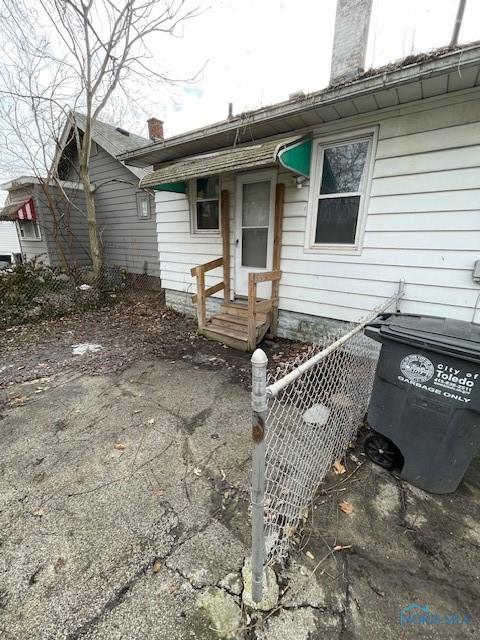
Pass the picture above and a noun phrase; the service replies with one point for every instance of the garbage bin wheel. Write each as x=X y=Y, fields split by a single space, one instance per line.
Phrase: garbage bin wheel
x=380 y=450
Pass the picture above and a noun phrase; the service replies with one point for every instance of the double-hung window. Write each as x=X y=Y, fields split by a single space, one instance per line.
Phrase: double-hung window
x=338 y=194
x=204 y=202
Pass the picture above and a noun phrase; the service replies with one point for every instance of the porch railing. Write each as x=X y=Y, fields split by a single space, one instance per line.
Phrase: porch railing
x=202 y=294
x=268 y=306
x=260 y=306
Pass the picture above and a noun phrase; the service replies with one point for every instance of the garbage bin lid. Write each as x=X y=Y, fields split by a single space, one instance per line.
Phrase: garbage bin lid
x=455 y=337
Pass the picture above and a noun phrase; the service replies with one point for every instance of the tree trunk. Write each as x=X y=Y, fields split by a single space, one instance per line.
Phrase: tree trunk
x=95 y=250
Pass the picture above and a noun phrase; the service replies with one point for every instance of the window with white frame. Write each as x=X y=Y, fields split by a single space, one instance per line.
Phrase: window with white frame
x=338 y=192
x=205 y=205
x=29 y=230
x=144 y=205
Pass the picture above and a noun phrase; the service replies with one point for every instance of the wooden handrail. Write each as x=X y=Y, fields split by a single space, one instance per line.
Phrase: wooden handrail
x=210 y=291
x=263 y=306
x=266 y=276
x=207 y=266
x=202 y=293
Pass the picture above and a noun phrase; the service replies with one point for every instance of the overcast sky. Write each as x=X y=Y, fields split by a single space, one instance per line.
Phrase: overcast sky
x=260 y=51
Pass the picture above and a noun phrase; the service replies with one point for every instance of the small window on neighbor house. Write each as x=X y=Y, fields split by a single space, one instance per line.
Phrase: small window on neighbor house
x=339 y=193
x=29 y=230
x=143 y=206
x=205 y=204
x=93 y=148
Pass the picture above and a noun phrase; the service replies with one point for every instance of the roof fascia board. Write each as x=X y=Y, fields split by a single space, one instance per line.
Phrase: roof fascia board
x=62 y=142
x=32 y=180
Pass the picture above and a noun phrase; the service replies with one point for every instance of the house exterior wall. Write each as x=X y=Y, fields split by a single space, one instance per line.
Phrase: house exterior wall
x=128 y=241
x=180 y=249
x=8 y=238
x=422 y=224
x=70 y=234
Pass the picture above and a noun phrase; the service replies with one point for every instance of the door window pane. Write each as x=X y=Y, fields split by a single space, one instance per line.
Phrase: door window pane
x=343 y=167
x=337 y=220
x=254 y=247
x=207 y=215
x=256 y=204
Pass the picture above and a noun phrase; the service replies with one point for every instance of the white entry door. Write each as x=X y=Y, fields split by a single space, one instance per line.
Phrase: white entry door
x=254 y=224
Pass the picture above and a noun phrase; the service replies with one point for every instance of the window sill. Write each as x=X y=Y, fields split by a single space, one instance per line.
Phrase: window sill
x=205 y=234
x=334 y=250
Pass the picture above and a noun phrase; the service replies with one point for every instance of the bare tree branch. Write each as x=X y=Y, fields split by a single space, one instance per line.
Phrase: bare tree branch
x=58 y=56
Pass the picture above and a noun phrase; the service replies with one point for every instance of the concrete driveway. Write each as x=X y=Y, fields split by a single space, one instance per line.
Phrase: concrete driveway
x=124 y=515
x=122 y=499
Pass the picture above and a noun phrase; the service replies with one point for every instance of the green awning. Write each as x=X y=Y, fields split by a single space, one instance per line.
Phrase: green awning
x=175 y=187
x=296 y=157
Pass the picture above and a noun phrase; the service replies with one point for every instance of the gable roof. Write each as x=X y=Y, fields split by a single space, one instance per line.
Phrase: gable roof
x=114 y=140
x=442 y=71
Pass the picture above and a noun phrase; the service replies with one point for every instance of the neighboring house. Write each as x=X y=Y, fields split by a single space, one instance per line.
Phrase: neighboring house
x=9 y=244
x=124 y=212
x=345 y=191
x=35 y=207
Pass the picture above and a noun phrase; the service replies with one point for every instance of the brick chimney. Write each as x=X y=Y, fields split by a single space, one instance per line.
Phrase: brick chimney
x=155 y=129
x=352 y=21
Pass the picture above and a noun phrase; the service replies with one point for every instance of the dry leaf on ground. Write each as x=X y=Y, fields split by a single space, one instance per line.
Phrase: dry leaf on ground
x=346 y=507
x=339 y=468
x=310 y=555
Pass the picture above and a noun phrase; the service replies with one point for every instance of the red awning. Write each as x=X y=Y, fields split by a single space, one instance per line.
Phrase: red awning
x=22 y=210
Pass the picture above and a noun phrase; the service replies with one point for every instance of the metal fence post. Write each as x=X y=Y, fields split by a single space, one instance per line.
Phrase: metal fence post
x=259 y=413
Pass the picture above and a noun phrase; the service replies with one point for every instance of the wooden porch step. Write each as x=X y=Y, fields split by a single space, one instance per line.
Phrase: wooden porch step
x=240 y=310
x=235 y=339
x=229 y=319
x=232 y=330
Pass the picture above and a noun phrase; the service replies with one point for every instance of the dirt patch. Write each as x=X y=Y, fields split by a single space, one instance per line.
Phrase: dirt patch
x=134 y=329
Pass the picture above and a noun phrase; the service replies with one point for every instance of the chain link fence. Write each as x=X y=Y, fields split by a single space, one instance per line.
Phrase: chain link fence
x=313 y=408
x=34 y=291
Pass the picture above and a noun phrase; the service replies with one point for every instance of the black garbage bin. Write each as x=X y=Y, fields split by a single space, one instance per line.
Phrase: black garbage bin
x=425 y=404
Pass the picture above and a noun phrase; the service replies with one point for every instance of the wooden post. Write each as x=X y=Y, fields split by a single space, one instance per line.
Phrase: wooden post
x=252 y=300
x=277 y=250
x=225 y=215
x=201 y=313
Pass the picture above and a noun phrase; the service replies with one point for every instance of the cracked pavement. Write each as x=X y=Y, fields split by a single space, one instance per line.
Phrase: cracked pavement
x=124 y=514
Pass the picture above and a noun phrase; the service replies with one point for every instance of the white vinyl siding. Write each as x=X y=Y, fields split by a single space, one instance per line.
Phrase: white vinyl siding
x=422 y=223
x=180 y=249
x=8 y=238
